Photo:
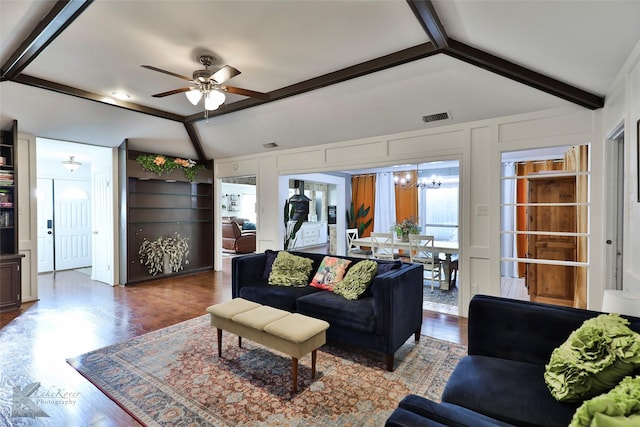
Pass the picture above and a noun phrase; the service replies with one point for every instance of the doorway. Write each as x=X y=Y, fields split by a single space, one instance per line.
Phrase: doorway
x=74 y=209
x=545 y=208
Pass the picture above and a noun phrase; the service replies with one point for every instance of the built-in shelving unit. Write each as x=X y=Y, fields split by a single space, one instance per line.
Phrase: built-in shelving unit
x=164 y=206
x=10 y=258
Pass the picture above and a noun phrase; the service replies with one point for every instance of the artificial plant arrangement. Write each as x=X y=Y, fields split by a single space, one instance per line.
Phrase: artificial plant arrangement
x=164 y=253
x=159 y=164
x=356 y=219
x=406 y=227
x=290 y=230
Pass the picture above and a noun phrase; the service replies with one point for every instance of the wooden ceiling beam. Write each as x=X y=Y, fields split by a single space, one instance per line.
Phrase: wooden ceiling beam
x=61 y=15
x=523 y=75
x=90 y=96
x=404 y=56
x=428 y=18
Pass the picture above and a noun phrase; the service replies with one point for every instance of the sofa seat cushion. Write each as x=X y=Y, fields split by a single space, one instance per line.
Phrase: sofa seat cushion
x=282 y=297
x=511 y=391
x=357 y=315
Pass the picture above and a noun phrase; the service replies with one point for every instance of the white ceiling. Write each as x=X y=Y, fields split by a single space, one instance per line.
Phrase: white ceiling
x=279 y=43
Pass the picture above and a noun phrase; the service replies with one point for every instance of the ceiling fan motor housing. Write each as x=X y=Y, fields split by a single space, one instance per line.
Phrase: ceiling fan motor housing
x=202 y=75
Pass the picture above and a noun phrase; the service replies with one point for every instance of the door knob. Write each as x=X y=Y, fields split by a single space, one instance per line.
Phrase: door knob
x=49 y=232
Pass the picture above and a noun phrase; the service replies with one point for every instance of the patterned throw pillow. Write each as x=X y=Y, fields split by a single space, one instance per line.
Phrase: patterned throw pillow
x=290 y=270
x=330 y=272
x=357 y=280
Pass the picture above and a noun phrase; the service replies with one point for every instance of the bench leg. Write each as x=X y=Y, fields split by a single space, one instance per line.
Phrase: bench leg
x=239 y=341
x=313 y=364
x=219 y=342
x=294 y=373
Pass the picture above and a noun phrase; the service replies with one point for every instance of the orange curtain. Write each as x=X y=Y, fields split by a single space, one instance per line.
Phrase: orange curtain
x=577 y=160
x=522 y=189
x=363 y=190
x=406 y=197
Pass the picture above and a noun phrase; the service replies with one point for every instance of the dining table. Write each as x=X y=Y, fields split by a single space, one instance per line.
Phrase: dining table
x=439 y=246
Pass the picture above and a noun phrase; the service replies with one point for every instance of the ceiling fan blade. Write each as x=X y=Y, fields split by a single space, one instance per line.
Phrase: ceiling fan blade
x=171 y=92
x=152 y=68
x=224 y=74
x=246 y=92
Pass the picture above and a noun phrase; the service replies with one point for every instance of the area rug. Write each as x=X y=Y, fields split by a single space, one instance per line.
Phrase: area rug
x=449 y=297
x=174 y=376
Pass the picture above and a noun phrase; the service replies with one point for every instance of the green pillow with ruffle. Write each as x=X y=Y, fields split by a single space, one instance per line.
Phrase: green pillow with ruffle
x=593 y=359
x=357 y=280
x=290 y=270
x=618 y=407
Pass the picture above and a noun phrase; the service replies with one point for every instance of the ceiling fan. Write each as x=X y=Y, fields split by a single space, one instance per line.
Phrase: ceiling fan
x=208 y=85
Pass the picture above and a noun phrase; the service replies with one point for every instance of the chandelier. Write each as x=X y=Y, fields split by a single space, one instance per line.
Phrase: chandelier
x=405 y=181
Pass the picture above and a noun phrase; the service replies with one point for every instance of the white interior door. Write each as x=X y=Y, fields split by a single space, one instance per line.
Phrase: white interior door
x=45 y=225
x=102 y=221
x=72 y=224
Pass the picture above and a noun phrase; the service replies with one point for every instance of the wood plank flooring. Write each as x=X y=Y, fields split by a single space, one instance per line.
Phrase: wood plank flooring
x=75 y=315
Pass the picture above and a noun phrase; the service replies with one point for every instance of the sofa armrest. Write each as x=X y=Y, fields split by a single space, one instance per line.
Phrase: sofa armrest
x=397 y=305
x=246 y=270
x=520 y=330
x=443 y=414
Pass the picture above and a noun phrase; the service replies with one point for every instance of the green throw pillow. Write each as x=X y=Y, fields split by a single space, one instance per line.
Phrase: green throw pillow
x=290 y=270
x=357 y=279
x=619 y=407
x=593 y=359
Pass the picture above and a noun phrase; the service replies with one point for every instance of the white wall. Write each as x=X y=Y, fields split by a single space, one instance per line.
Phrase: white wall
x=476 y=145
x=623 y=106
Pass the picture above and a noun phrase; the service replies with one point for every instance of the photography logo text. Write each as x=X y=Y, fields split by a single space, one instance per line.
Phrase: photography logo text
x=29 y=400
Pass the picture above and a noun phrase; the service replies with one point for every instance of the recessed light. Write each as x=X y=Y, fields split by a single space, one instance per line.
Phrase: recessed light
x=123 y=96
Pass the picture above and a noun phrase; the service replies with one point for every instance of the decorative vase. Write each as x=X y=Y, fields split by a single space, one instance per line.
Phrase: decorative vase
x=166 y=264
x=404 y=237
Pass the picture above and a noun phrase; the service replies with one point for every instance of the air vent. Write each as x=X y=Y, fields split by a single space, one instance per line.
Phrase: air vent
x=270 y=145
x=436 y=117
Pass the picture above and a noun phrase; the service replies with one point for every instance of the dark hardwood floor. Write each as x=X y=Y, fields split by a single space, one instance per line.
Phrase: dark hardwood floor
x=75 y=315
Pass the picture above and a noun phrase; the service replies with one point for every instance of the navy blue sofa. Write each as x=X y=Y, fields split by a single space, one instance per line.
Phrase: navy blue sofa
x=500 y=382
x=382 y=320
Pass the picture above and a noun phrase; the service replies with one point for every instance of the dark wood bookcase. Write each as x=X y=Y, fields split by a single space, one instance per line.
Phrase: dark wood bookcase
x=10 y=258
x=155 y=206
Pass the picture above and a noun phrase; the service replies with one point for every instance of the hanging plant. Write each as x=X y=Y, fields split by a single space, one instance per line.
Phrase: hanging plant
x=159 y=164
x=173 y=250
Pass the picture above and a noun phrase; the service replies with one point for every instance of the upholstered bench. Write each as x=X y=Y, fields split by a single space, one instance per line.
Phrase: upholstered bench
x=289 y=333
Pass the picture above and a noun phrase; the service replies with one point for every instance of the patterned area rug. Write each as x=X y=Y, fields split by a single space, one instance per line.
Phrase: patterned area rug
x=173 y=376
x=449 y=297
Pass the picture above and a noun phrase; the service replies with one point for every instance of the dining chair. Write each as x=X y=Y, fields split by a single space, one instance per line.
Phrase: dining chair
x=355 y=250
x=421 y=251
x=382 y=246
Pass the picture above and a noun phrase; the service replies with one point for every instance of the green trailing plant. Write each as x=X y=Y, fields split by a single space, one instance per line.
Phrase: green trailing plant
x=356 y=219
x=153 y=252
x=159 y=164
x=290 y=230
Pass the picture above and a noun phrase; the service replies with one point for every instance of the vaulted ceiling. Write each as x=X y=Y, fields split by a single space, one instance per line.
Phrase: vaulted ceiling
x=333 y=70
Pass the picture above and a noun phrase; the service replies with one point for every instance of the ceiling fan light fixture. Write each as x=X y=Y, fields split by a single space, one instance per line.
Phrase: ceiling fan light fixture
x=194 y=96
x=213 y=100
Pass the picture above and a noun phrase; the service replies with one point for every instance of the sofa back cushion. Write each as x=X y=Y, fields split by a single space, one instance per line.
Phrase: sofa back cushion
x=522 y=330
